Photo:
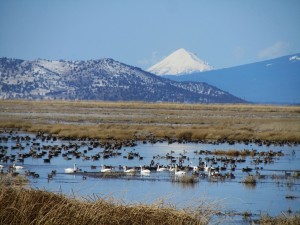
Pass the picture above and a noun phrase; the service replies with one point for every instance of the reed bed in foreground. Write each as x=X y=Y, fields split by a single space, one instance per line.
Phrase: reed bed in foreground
x=23 y=207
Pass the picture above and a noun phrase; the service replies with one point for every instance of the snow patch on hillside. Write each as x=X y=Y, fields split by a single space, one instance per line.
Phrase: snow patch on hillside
x=294 y=58
x=55 y=66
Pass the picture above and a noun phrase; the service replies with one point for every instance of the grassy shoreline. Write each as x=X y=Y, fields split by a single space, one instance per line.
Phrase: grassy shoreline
x=139 y=120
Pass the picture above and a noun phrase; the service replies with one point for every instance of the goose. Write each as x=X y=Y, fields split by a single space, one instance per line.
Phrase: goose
x=103 y=169
x=145 y=171
x=179 y=173
x=132 y=170
x=17 y=167
x=71 y=170
x=160 y=169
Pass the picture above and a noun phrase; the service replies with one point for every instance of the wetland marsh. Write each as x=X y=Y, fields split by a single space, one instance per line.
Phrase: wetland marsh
x=260 y=141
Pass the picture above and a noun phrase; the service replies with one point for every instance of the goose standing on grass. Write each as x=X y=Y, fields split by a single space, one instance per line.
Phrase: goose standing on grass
x=131 y=170
x=145 y=172
x=103 y=169
x=17 y=167
x=179 y=173
x=71 y=170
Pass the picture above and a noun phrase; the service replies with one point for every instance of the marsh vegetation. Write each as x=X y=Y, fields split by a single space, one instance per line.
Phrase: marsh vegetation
x=137 y=120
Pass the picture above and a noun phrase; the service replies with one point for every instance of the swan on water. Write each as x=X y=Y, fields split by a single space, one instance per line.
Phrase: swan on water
x=179 y=173
x=145 y=171
x=195 y=168
x=171 y=169
x=160 y=169
x=131 y=170
x=103 y=169
x=208 y=168
x=71 y=170
x=17 y=167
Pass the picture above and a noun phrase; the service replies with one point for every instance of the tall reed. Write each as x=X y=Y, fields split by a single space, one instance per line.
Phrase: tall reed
x=23 y=207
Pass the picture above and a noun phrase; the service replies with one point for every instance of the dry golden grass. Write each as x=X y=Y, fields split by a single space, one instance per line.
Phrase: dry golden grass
x=249 y=180
x=127 y=120
x=234 y=153
x=9 y=179
x=293 y=219
x=23 y=207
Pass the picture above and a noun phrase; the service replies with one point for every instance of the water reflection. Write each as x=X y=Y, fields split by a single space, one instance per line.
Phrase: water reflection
x=250 y=186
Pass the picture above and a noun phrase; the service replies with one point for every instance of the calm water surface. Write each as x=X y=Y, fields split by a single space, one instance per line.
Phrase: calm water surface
x=267 y=196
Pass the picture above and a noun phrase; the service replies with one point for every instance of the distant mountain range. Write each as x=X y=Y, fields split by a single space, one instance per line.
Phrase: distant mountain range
x=180 y=62
x=104 y=79
x=272 y=81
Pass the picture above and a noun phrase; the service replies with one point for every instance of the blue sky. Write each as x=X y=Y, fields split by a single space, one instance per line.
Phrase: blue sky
x=142 y=32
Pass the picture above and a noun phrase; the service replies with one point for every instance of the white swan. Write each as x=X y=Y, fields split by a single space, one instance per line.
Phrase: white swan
x=171 y=169
x=71 y=170
x=145 y=172
x=1 y=167
x=103 y=169
x=160 y=169
x=17 y=167
x=179 y=173
x=195 y=168
x=132 y=170
x=208 y=168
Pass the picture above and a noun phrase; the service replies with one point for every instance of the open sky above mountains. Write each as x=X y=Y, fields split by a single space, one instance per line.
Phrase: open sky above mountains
x=141 y=33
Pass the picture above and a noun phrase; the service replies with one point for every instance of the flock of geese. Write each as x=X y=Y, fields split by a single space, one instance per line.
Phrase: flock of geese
x=220 y=166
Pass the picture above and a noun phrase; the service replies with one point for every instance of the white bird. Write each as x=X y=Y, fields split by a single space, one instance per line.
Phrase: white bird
x=17 y=167
x=103 y=169
x=207 y=168
x=179 y=173
x=132 y=170
x=195 y=168
x=160 y=169
x=1 y=167
x=71 y=170
x=171 y=169
x=145 y=172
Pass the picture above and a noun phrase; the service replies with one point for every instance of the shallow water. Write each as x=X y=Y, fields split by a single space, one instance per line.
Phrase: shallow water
x=267 y=196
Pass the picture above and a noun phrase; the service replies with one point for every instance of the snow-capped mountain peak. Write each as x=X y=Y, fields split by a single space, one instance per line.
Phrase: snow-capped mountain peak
x=180 y=62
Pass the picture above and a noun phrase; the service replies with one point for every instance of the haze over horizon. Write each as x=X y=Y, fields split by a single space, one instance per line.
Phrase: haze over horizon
x=141 y=33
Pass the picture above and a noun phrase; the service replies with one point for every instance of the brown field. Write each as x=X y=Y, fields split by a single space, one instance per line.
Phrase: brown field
x=139 y=120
